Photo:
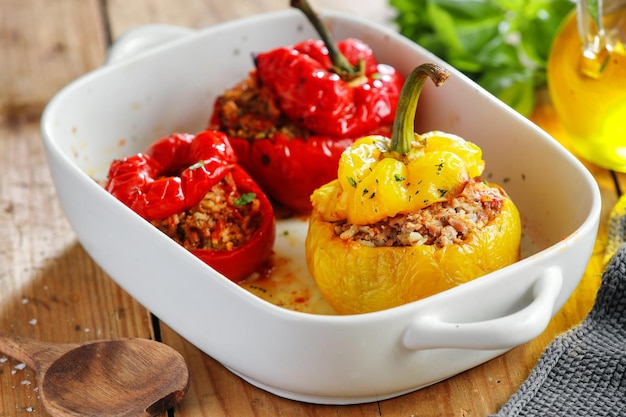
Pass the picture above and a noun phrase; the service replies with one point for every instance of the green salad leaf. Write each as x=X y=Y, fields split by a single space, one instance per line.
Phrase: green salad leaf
x=503 y=45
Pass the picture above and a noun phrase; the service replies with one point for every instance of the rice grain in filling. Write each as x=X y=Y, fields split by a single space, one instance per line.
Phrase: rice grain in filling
x=440 y=224
x=217 y=222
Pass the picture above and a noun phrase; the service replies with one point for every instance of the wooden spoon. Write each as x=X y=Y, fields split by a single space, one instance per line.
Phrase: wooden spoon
x=128 y=377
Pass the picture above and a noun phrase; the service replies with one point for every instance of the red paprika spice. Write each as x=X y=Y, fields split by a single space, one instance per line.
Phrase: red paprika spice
x=312 y=101
x=191 y=188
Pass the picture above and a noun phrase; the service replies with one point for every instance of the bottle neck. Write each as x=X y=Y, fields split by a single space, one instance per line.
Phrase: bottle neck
x=602 y=31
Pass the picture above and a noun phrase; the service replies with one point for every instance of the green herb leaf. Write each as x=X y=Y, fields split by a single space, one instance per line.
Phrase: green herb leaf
x=503 y=45
x=245 y=198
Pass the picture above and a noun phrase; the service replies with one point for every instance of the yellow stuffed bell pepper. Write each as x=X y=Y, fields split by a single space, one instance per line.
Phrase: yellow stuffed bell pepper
x=408 y=217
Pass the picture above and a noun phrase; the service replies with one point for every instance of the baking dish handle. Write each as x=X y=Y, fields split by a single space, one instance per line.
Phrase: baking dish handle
x=142 y=39
x=431 y=332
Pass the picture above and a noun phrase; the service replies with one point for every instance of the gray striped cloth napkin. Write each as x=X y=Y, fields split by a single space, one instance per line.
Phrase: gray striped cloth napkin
x=583 y=371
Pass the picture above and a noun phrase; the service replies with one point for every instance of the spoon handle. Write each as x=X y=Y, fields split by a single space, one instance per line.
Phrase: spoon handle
x=35 y=354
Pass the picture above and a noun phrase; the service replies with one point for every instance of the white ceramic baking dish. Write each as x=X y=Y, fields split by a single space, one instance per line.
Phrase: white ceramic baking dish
x=119 y=109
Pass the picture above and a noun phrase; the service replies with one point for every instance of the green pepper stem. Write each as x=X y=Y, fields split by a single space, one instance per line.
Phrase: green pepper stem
x=341 y=65
x=403 y=132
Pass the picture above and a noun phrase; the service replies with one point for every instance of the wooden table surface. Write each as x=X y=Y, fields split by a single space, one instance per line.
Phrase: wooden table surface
x=50 y=289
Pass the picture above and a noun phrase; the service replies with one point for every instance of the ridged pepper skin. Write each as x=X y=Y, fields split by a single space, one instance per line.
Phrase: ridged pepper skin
x=355 y=278
x=172 y=175
x=372 y=186
x=313 y=95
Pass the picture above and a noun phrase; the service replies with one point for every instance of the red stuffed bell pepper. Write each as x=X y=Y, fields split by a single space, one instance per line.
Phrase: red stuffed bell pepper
x=192 y=189
x=302 y=107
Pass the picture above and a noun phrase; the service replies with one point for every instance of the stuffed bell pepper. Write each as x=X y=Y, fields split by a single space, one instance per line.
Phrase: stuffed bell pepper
x=301 y=106
x=408 y=216
x=191 y=188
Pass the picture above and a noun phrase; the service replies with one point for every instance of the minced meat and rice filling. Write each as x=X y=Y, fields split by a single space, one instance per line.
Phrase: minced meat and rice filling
x=250 y=111
x=223 y=220
x=440 y=224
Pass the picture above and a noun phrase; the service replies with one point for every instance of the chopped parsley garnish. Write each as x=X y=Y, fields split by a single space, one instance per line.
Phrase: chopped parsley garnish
x=245 y=198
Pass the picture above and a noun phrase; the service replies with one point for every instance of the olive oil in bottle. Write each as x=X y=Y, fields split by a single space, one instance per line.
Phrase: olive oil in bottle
x=587 y=81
